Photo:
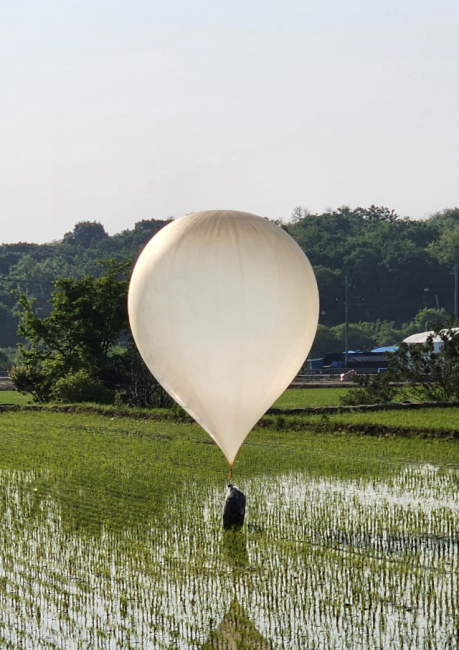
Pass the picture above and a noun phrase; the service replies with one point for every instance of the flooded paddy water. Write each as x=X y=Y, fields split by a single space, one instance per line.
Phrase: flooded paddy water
x=329 y=557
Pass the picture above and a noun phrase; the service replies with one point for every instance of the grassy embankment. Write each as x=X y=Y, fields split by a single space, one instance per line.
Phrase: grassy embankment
x=441 y=420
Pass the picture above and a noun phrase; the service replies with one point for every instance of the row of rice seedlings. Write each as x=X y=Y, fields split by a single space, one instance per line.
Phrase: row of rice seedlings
x=321 y=563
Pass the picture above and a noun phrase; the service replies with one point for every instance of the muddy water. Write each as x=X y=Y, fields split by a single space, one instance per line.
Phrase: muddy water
x=321 y=563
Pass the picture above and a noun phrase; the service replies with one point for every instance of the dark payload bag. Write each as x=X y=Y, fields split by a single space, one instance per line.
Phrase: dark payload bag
x=234 y=508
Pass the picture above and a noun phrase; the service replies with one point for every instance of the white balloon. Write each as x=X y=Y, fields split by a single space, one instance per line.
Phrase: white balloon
x=223 y=307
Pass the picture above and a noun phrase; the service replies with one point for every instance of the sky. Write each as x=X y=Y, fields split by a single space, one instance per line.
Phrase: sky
x=144 y=109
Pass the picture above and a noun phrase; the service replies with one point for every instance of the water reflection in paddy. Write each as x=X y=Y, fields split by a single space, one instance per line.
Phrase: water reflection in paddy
x=321 y=563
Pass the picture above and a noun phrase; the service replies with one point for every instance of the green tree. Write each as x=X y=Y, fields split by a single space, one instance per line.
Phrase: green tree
x=85 y=233
x=74 y=354
x=360 y=336
x=387 y=260
x=8 y=326
x=377 y=214
x=428 y=371
x=135 y=384
x=446 y=250
x=87 y=319
x=395 y=266
x=424 y=319
x=331 y=292
x=4 y=360
x=385 y=332
x=325 y=341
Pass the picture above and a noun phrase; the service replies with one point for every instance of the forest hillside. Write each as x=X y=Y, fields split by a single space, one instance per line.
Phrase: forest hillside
x=394 y=267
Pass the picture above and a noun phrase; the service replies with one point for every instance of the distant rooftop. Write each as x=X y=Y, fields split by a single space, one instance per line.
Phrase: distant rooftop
x=422 y=337
x=388 y=348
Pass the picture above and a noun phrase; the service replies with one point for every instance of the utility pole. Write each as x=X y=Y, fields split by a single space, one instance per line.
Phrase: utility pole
x=346 y=321
x=455 y=291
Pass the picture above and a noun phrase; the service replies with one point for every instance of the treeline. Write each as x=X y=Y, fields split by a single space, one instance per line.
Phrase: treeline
x=32 y=269
x=385 y=267
x=394 y=266
x=369 y=335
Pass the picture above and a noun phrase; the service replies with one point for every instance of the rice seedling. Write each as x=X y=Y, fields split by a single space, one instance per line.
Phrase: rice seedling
x=111 y=537
x=297 y=398
x=438 y=418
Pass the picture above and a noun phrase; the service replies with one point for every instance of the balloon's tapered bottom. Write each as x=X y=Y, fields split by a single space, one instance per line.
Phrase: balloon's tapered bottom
x=234 y=508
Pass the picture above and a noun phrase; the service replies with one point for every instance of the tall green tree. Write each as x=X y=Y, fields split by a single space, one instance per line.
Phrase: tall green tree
x=446 y=250
x=83 y=351
x=87 y=319
x=85 y=233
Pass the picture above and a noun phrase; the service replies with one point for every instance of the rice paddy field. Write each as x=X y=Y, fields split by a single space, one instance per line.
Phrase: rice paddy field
x=13 y=397
x=292 y=398
x=415 y=420
x=297 y=398
x=111 y=537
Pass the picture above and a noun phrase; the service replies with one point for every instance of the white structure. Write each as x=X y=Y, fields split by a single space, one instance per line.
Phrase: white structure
x=423 y=336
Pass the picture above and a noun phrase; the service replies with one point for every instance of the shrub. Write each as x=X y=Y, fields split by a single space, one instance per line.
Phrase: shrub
x=135 y=384
x=372 y=389
x=30 y=379
x=424 y=371
x=80 y=387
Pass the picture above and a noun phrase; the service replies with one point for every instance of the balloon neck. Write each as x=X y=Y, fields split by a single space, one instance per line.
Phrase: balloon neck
x=230 y=475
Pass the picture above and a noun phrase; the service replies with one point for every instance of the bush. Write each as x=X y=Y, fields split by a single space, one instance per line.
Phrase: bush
x=372 y=389
x=30 y=379
x=422 y=371
x=80 y=387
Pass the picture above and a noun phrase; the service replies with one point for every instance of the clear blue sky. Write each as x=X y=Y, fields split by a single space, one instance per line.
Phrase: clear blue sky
x=120 y=111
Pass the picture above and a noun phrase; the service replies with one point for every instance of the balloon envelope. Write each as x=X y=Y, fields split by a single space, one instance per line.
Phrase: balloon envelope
x=223 y=307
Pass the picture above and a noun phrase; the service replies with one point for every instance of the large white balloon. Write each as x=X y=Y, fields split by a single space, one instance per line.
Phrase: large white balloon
x=223 y=307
